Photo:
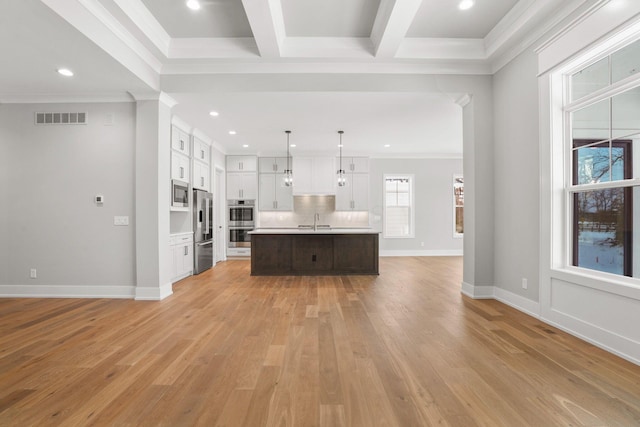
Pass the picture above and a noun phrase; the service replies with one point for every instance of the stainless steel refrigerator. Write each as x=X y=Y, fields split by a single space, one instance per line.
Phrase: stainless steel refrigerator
x=202 y=231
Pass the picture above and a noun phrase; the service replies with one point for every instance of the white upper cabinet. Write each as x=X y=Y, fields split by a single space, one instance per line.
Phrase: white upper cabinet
x=180 y=167
x=274 y=195
x=201 y=176
x=242 y=163
x=354 y=196
x=314 y=175
x=354 y=164
x=201 y=151
x=180 y=141
x=273 y=164
x=242 y=185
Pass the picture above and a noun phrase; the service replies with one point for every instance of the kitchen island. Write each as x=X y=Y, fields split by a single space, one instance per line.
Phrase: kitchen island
x=309 y=252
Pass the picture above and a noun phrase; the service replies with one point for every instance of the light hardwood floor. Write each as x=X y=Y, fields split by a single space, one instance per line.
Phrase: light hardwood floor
x=402 y=349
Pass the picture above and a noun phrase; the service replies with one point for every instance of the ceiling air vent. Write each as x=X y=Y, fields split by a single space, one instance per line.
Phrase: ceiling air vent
x=61 y=118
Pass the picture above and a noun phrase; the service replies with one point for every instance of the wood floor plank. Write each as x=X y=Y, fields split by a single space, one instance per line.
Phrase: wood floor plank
x=404 y=348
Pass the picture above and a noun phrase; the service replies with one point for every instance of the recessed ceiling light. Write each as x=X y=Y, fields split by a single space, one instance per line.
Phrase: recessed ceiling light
x=193 y=4
x=232 y=132
x=65 y=72
x=245 y=145
x=293 y=146
x=466 y=4
x=340 y=145
x=387 y=145
x=214 y=113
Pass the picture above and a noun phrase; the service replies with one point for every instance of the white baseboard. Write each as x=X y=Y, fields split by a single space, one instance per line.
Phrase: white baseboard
x=606 y=340
x=60 y=291
x=454 y=252
x=532 y=308
x=477 y=292
x=613 y=343
x=148 y=293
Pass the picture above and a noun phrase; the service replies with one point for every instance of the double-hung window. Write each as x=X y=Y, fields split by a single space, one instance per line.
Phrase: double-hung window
x=602 y=138
x=398 y=206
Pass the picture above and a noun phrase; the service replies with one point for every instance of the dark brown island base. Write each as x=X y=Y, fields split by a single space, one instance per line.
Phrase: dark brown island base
x=282 y=252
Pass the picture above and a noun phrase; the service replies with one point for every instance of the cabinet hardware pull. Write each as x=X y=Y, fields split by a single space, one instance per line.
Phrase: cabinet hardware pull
x=202 y=154
x=181 y=145
x=186 y=250
x=202 y=181
x=181 y=172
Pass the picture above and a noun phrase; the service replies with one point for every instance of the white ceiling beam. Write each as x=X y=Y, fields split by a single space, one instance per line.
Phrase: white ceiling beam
x=391 y=25
x=98 y=25
x=147 y=23
x=267 y=24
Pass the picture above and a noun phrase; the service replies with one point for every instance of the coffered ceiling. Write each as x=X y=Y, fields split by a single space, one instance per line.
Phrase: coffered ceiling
x=120 y=47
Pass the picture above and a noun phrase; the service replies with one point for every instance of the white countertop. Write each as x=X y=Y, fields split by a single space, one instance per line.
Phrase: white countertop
x=312 y=231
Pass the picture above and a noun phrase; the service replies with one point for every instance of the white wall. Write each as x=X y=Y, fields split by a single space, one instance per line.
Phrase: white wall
x=5 y=181
x=433 y=188
x=517 y=176
x=55 y=171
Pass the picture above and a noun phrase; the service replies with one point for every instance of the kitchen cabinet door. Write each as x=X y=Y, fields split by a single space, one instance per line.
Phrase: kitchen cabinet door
x=201 y=176
x=273 y=194
x=284 y=194
x=272 y=164
x=242 y=163
x=344 y=194
x=359 y=164
x=242 y=186
x=312 y=253
x=360 y=192
x=314 y=175
x=267 y=192
x=180 y=169
x=180 y=141
x=201 y=151
x=354 y=196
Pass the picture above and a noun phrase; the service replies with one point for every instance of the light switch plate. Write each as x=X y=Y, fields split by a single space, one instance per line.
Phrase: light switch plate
x=120 y=220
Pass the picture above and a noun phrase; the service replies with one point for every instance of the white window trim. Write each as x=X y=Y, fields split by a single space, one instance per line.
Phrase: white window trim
x=412 y=210
x=561 y=173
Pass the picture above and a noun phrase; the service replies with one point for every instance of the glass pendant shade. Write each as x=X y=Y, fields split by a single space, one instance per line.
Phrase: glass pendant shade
x=288 y=173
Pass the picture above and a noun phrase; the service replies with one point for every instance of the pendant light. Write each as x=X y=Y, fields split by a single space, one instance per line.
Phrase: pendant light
x=342 y=180
x=288 y=173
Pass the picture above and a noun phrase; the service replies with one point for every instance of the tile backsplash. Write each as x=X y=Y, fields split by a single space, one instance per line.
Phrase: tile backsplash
x=305 y=207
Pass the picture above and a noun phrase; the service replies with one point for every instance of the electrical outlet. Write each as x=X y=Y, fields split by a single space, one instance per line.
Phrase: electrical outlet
x=33 y=273
x=524 y=283
x=120 y=220
x=422 y=244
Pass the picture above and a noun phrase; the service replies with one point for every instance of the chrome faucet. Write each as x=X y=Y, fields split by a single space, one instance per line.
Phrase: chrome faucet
x=316 y=219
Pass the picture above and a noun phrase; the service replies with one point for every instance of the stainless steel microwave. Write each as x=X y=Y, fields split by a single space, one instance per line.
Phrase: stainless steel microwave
x=179 y=194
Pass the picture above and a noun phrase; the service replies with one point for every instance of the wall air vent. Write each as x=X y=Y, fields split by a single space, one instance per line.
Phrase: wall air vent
x=61 y=118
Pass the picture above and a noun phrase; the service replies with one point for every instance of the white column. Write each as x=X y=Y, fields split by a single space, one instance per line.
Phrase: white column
x=153 y=192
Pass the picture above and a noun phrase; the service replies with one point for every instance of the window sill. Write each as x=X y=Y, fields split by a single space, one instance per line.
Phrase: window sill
x=628 y=287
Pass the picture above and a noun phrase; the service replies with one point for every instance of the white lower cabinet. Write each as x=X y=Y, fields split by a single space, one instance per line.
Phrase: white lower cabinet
x=182 y=250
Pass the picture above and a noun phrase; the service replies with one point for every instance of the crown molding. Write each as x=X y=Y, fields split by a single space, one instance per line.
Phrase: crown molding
x=202 y=136
x=64 y=98
x=370 y=66
x=442 y=49
x=205 y=48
